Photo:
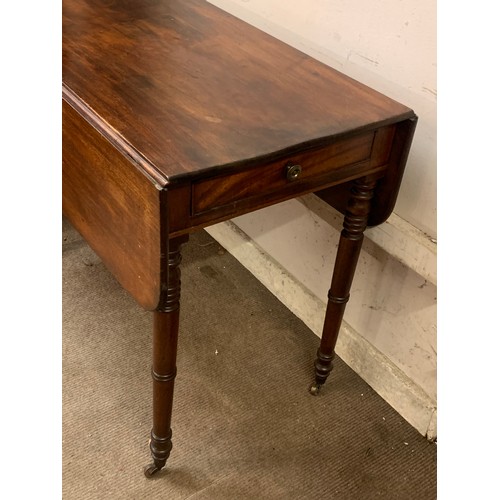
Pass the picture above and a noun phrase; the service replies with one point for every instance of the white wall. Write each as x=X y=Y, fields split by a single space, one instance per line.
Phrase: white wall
x=389 y=45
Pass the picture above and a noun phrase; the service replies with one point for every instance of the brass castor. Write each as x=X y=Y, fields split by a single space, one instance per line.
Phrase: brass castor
x=315 y=388
x=150 y=470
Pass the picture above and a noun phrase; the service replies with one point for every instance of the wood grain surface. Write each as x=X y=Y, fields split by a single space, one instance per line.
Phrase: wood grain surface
x=114 y=207
x=194 y=89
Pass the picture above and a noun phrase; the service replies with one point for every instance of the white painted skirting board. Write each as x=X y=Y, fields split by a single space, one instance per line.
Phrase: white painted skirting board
x=401 y=240
x=406 y=397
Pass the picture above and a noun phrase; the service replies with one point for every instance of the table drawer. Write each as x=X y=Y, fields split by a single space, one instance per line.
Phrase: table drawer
x=299 y=169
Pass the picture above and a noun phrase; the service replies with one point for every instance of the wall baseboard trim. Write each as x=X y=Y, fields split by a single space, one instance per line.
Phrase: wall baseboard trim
x=391 y=383
x=404 y=242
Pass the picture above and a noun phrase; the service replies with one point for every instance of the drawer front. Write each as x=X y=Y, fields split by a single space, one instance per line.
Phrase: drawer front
x=302 y=169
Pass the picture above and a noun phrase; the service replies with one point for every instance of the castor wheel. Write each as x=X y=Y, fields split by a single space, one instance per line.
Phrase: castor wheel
x=150 y=470
x=315 y=388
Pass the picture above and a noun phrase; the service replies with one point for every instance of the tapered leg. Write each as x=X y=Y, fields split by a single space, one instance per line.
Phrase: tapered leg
x=165 y=331
x=351 y=239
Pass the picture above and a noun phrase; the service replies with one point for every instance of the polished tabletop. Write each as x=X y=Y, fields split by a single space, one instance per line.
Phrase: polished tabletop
x=191 y=90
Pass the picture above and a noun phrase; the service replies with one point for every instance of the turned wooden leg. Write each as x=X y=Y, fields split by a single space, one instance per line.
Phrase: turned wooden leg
x=351 y=239
x=165 y=331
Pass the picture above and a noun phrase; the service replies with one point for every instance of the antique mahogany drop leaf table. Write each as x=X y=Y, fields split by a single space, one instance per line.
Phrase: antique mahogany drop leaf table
x=177 y=115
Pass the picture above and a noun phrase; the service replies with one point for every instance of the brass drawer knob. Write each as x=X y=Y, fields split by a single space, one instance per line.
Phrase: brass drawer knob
x=293 y=172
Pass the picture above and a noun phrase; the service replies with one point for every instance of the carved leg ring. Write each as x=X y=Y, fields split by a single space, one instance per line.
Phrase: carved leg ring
x=351 y=239
x=165 y=331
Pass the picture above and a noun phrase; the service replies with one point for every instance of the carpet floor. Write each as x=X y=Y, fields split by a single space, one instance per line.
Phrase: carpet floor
x=244 y=425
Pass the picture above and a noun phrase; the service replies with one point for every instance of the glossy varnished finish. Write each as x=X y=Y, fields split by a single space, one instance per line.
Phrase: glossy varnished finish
x=176 y=116
x=351 y=239
x=164 y=369
x=262 y=180
x=114 y=206
x=387 y=188
x=194 y=89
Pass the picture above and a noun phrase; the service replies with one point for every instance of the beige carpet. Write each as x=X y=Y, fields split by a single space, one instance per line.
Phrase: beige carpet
x=244 y=425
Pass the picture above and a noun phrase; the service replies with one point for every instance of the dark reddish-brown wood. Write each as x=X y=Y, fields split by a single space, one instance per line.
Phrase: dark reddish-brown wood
x=164 y=369
x=316 y=166
x=192 y=88
x=351 y=239
x=176 y=116
x=114 y=206
x=387 y=188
